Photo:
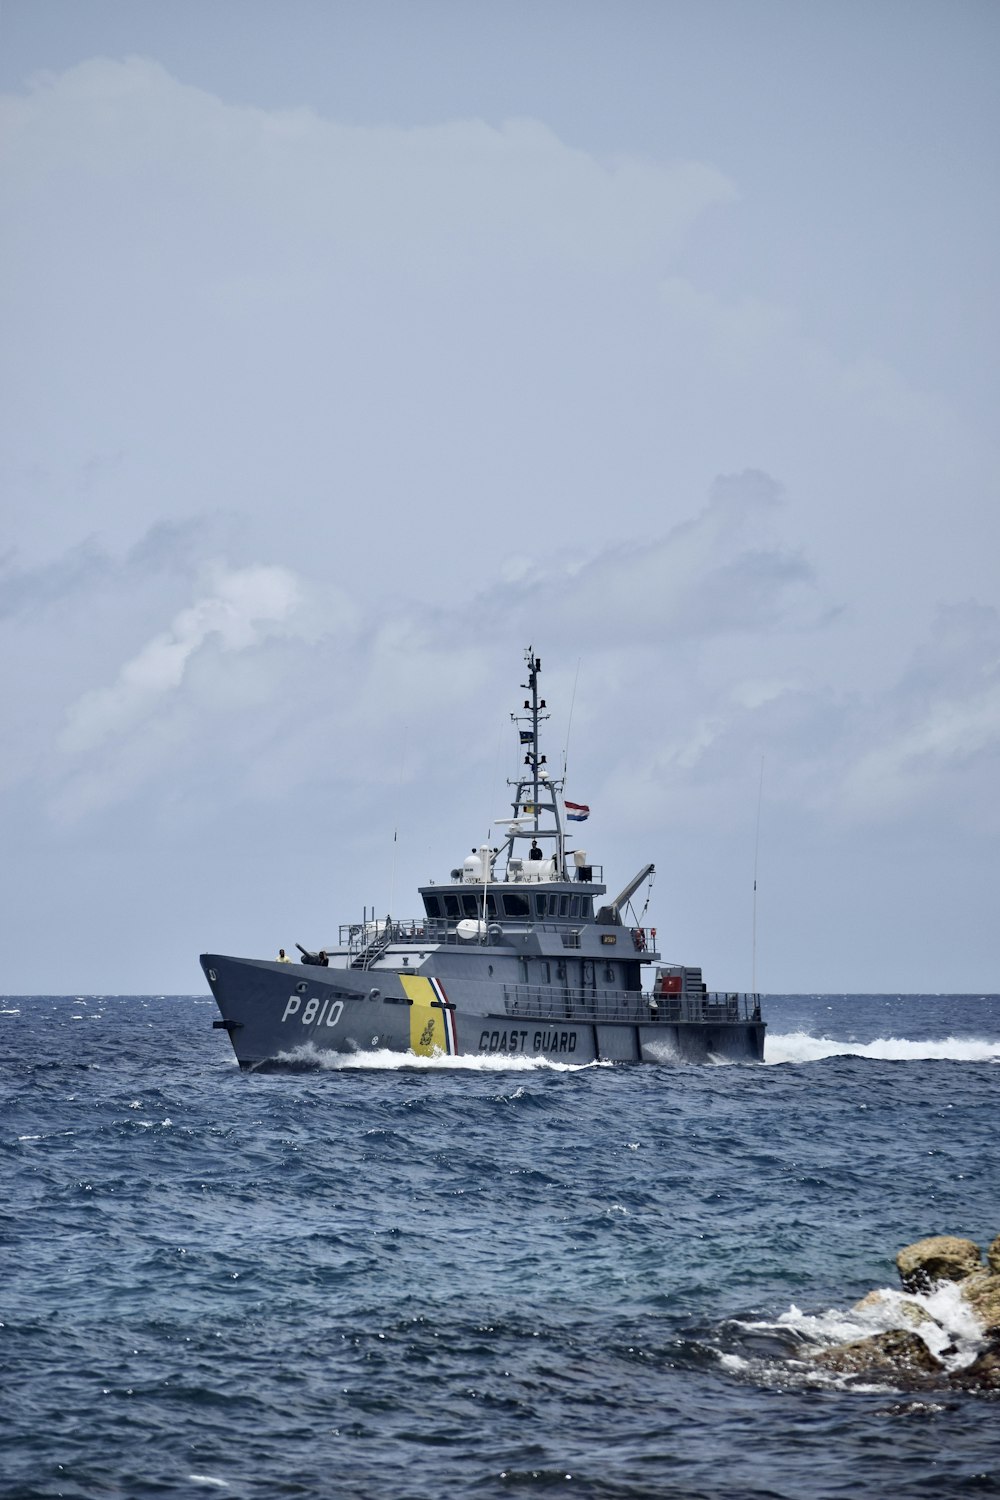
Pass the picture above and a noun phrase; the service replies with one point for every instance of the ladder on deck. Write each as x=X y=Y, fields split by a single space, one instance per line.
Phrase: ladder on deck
x=373 y=950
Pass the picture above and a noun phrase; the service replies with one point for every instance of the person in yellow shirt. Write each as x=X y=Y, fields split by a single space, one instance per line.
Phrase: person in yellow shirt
x=283 y=957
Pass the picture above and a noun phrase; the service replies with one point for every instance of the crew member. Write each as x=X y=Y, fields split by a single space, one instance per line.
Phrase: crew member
x=534 y=852
x=283 y=957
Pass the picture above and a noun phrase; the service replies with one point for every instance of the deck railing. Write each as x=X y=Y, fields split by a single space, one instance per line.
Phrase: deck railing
x=566 y=1002
x=355 y=937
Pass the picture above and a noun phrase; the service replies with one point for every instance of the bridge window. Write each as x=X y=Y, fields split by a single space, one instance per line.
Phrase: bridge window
x=451 y=905
x=515 y=904
x=432 y=906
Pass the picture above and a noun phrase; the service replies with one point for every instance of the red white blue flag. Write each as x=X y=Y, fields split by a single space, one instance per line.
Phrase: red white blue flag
x=577 y=812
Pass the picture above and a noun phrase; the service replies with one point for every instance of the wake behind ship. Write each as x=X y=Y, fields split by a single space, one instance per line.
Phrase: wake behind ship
x=517 y=954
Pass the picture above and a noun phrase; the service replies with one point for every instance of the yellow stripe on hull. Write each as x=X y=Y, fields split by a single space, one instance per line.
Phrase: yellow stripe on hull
x=427 y=1034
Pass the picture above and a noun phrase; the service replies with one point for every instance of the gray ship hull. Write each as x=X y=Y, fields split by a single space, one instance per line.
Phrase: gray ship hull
x=282 y=1016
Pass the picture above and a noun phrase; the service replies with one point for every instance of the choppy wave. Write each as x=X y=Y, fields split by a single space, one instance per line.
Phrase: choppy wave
x=801 y=1047
x=412 y=1276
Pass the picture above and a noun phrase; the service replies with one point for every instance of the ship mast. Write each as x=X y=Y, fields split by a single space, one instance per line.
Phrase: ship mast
x=534 y=782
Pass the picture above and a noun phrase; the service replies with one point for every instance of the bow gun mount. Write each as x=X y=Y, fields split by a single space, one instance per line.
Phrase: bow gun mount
x=611 y=915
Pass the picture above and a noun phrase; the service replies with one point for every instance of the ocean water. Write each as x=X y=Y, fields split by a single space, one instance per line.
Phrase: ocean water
x=481 y=1280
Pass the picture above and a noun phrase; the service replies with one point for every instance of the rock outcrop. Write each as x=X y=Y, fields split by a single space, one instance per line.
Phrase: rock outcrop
x=982 y=1292
x=941 y=1257
x=916 y=1352
x=907 y=1314
x=982 y=1375
x=881 y=1353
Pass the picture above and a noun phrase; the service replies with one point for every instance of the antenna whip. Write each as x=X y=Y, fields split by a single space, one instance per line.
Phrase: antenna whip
x=756 y=846
x=569 y=722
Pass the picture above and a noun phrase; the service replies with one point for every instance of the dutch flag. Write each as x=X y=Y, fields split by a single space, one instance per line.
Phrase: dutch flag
x=577 y=812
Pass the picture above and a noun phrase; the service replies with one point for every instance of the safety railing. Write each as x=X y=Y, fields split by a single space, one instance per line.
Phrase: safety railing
x=357 y=937
x=567 y=1002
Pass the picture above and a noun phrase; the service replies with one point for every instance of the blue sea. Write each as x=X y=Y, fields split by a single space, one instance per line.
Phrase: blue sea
x=443 y=1278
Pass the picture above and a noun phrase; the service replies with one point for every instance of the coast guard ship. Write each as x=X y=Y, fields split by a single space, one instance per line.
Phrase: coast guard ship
x=516 y=954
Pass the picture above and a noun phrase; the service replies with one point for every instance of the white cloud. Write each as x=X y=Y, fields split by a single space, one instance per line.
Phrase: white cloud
x=246 y=606
x=295 y=181
x=727 y=570
x=937 y=731
x=899 y=774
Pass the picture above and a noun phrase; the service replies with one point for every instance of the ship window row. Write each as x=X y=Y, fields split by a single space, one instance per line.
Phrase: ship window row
x=537 y=905
x=543 y=971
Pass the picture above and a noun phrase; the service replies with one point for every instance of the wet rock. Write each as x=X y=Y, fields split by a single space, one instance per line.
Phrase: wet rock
x=993 y=1256
x=945 y=1257
x=982 y=1292
x=914 y=1362
x=895 y=1353
x=983 y=1374
x=888 y=1305
x=940 y=1257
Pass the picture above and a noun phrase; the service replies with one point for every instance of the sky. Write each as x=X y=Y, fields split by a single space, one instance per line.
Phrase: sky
x=347 y=351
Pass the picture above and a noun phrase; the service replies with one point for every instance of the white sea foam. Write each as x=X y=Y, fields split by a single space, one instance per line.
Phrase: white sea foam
x=661 y=1052
x=801 y=1047
x=382 y=1059
x=952 y=1332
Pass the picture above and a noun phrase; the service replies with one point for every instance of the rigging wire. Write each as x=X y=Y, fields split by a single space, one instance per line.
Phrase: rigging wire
x=629 y=907
x=395 y=830
x=569 y=721
x=489 y=830
x=756 y=846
